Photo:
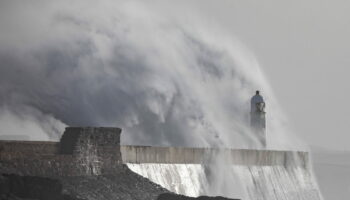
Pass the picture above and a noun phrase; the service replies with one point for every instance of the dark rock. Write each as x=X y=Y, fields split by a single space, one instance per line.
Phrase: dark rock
x=124 y=185
x=30 y=187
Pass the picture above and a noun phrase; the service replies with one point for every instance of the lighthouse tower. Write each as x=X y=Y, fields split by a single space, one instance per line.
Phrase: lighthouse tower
x=257 y=118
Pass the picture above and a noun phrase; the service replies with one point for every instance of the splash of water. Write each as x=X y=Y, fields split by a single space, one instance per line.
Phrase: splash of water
x=163 y=79
x=253 y=182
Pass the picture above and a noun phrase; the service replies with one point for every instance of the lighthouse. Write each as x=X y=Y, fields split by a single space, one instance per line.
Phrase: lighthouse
x=257 y=118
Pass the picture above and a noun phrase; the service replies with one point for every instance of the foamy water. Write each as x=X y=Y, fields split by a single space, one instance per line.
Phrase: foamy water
x=257 y=182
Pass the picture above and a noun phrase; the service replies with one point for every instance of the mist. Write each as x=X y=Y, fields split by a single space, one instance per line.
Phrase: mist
x=164 y=78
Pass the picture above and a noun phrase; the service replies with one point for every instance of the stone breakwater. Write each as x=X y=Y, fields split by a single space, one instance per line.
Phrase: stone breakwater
x=183 y=155
x=97 y=151
x=85 y=165
x=89 y=163
x=234 y=173
x=80 y=152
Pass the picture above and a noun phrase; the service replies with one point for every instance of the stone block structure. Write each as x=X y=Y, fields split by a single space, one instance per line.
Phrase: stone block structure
x=82 y=151
x=77 y=139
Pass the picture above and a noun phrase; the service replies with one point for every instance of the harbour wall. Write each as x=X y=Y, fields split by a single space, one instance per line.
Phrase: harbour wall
x=182 y=155
x=82 y=151
x=243 y=173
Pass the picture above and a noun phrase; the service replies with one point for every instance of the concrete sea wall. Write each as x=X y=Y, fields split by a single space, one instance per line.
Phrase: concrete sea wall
x=232 y=181
x=234 y=173
x=180 y=155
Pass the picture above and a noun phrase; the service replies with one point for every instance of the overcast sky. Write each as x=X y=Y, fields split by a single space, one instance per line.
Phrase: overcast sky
x=303 y=48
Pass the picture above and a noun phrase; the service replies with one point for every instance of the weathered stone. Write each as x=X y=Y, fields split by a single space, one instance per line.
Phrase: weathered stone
x=81 y=152
x=78 y=139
